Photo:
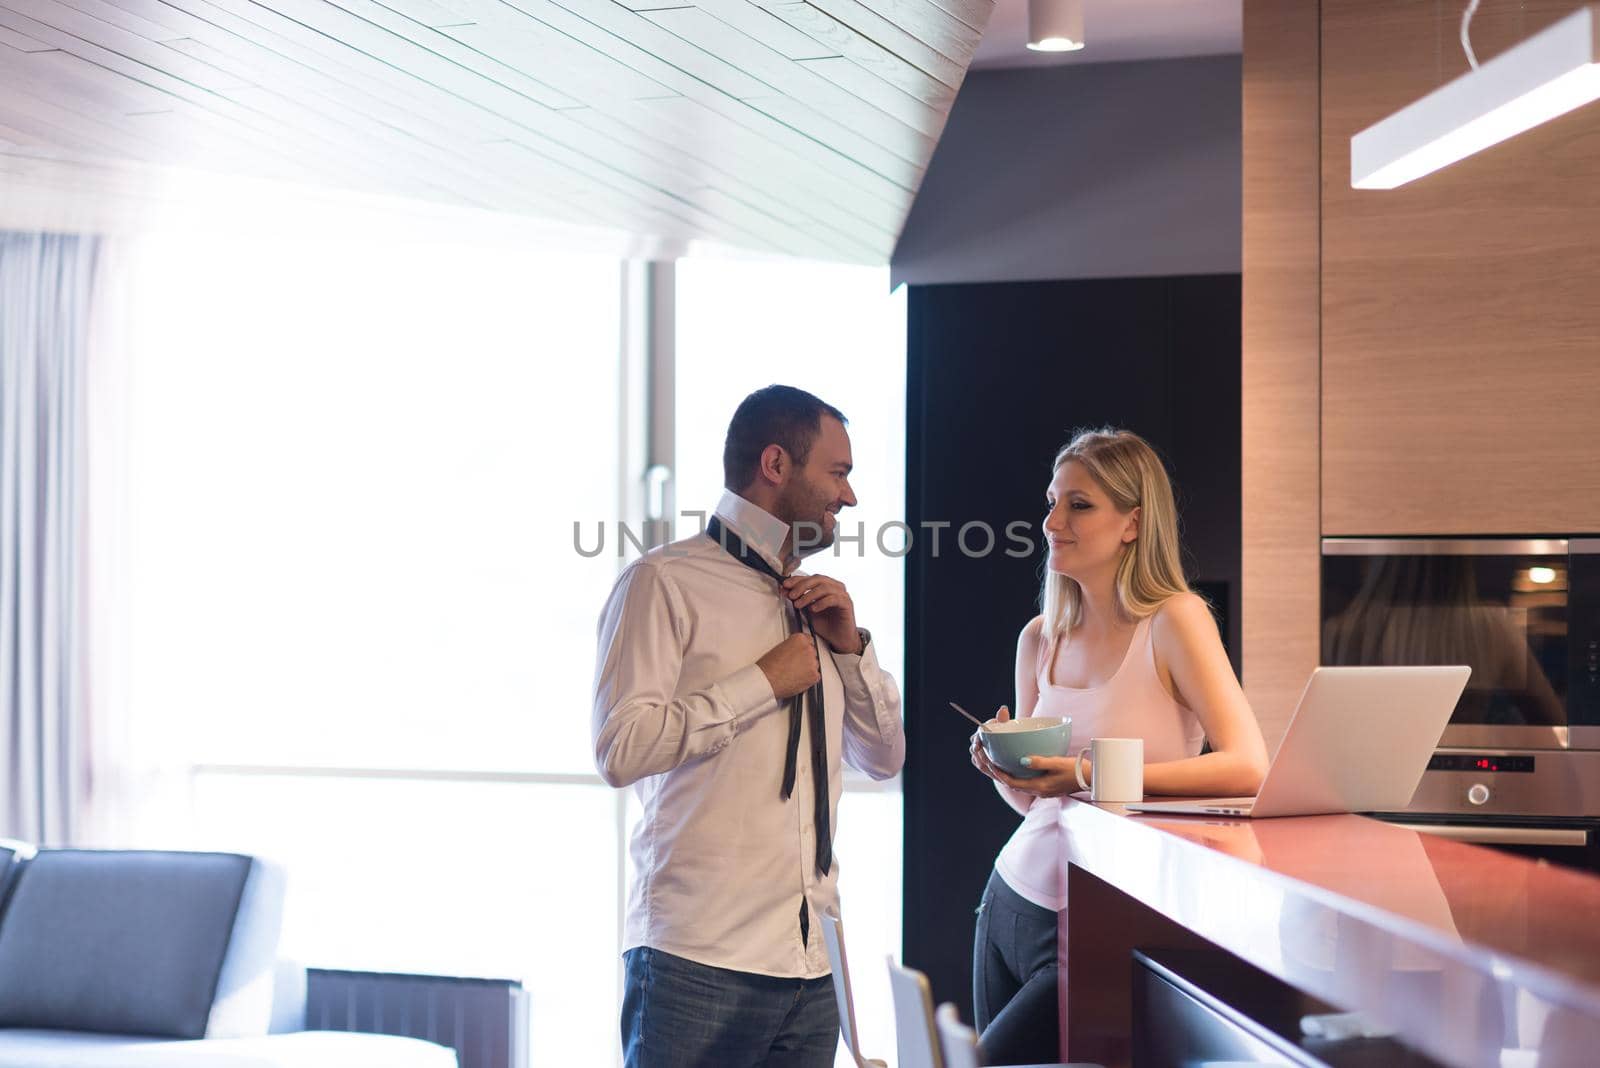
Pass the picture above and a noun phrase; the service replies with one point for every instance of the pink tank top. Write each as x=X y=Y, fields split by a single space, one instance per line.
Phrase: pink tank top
x=1131 y=704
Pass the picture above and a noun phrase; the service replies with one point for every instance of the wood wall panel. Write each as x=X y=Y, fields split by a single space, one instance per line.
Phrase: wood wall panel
x=1279 y=359
x=1460 y=319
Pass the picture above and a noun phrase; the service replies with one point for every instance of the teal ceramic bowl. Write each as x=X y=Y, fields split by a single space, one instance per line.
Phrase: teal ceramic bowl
x=1007 y=743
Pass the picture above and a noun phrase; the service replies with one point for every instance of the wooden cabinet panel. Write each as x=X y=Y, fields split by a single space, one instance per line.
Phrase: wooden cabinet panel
x=1460 y=314
x=1279 y=357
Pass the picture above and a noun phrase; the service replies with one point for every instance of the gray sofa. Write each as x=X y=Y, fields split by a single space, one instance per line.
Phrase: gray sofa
x=141 y=958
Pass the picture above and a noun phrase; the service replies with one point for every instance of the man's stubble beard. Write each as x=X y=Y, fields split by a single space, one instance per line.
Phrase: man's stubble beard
x=805 y=515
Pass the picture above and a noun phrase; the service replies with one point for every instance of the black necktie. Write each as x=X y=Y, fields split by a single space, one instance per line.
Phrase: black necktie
x=811 y=699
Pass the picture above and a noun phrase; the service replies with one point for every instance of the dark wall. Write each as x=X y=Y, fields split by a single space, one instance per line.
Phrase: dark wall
x=998 y=377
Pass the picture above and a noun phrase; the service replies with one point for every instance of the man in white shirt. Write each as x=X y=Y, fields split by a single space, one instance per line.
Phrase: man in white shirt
x=718 y=663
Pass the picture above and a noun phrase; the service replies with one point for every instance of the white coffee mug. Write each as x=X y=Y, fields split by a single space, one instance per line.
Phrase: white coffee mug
x=1118 y=770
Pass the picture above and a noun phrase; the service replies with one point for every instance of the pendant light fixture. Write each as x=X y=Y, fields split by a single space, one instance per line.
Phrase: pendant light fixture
x=1551 y=73
x=1055 y=25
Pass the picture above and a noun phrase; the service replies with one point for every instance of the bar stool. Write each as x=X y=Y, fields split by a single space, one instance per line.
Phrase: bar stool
x=959 y=1043
x=913 y=1018
x=833 y=935
x=922 y=1042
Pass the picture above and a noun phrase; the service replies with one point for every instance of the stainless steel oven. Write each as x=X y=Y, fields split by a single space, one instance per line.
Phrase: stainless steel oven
x=1520 y=759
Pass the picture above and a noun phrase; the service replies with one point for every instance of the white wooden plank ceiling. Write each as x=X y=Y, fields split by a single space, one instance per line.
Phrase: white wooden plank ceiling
x=800 y=127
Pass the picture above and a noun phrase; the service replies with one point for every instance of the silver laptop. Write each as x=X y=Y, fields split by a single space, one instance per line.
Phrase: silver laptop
x=1359 y=741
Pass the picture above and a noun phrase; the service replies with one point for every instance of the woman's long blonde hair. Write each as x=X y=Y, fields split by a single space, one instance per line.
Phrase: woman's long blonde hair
x=1150 y=571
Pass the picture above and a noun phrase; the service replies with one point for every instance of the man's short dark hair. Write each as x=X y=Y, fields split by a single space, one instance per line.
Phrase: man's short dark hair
x=774 y=415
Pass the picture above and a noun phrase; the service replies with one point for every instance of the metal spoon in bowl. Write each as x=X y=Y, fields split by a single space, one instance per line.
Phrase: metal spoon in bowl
x=964 y=712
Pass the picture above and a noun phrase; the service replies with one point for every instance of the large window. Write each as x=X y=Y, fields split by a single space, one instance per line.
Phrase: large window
x=350 y=464
x=344 y=622
x=356 y=640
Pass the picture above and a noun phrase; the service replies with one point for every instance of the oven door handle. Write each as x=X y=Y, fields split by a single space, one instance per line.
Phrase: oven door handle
x=1489 y=834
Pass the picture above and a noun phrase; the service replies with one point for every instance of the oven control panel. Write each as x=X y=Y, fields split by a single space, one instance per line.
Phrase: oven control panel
x=1487 y=763
x=1564 y=784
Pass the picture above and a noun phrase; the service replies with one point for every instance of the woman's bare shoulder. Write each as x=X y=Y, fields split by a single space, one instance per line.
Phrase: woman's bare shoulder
x=1032 y=634
x=1184 y=613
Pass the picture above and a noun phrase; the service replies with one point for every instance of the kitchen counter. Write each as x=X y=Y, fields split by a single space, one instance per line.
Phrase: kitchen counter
x=1471 y=956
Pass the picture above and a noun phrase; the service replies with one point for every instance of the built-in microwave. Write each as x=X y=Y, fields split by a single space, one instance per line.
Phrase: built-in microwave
x=1524 y=613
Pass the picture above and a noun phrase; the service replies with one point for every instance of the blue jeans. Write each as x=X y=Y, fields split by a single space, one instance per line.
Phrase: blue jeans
x=679 y=1014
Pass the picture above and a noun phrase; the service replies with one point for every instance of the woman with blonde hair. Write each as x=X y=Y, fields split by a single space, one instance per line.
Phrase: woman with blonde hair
x=1127 y=650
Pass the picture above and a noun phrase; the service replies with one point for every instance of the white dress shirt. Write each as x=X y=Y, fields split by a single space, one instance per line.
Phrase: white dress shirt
x=683 y=714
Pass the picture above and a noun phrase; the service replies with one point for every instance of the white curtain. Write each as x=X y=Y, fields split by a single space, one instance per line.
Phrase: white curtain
x=46 y=289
